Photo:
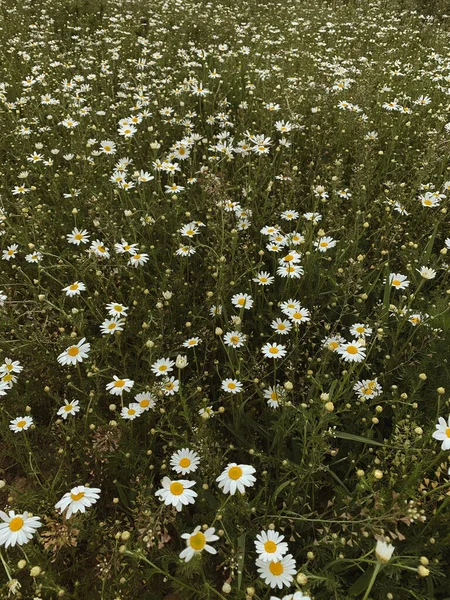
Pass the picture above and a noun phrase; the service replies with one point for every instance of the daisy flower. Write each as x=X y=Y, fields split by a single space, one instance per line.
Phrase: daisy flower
x=368 y=388
x=78 y=237
x=10 y=366
x=4 y=387
x=131 y=412
x=426 y=272
x=34 y=258
x=290 y=305
x=400 y=282
x=177 y=493
x=20 y=424
x=325 y=243
x=299 y=315
x=197 y=541
x=124 y=247
x=333 y=342
x=10 y=252
x=75 y=289
x=277 y=574
x=236 y=477
x=170 y=386
x=74 y=354
x=263 y=278
x=111 y=326
x=191 y=342
x=352 y=352
x=232 y=386
x=69 y=408
x=360 y=330
x=115 y=309
x=162 y=366
x=273 y=350
x=442 y=433
x=145 y=401
x=290 y=270
x=270 y=546
x=77 y=500
x=99 y=249
x=281 y=326
x=242 y=301
x=185 y=461
x=236 y=339
x=17 y=529
x=384 y=551
x=118 y=386
x=138 y=260
x=273 y=395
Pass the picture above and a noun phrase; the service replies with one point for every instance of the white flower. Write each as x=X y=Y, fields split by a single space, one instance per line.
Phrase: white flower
x=242 y=301
x=273 y=350
x=426 y=272
x=69 y=408
x=177 y=493
x=77 y=500
x=184 y=461
x=145 y=401
x=325 y=243
x=352 y=352
x=232 y=386
x=162 y=366
x=236 y=477
x=442 y=433
x=131 y=412
x=74 y=289
x=270 y=546
x=196 y=542
x=398 y=281
x=384 y=551
x=181 y=361
x=20 y=424
x=111 y=326
x=17 y=529
x=277 y=574
x=118 y=386
x=115 y=309
x=75 y=354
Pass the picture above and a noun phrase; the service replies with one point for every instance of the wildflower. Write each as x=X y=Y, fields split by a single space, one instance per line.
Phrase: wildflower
x=206 y=413
x=191 y=342
x=325 y=243
x=426 y=272
x=181 y=361
x=236 y=339
x=118 y=386
x=111 y=326
x=270 y=546
x=400 y=282
x=74 y=354
x=273 y=395
x=145 y=400
x=299 y=315
x=384 y=551
x=290 y=215
x=17 y=529
x=185 y=461
x=131 y=412
x=10 y=252
x=442 y=433
x=137 y=260
x=170 y=386
x=124 y=247
x=116 y=309
x=277 y=574
x=75 y=289
x=242 y=301
x=332 y=343
x=177 y=493
x=69 y=408
x=263 y=278
x=361 y=330
x=281 y=326
x=352 y=352
x=196 y=542
x=10 y=366
x=273 y=350
x=77 y=500
x=20 y=424
x=78 y=237
x=236 y=477
x=162 y=366
x=232 y=386
x=368 y=388
x=99 y=249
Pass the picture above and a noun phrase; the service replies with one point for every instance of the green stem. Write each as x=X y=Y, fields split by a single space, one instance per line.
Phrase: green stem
x=372 y=580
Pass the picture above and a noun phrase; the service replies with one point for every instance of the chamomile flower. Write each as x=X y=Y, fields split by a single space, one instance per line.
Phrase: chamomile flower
x=77 y=500
x=442 y=433
x=170 y=386
x=426 y=272
x=299 y=315
x=333 y=342
x=277 y=574
x=368 y=388
x=176 y=492
x=118 y=386
x=34 y=258
x=290 y=305
x=263 y=278
x=17 y=528
x=145 y=400
x=235 y=339
x=290 y=270
x=78 y=237
x=162 y=366
x=325 y=243
x=75 y=354
x=236 y=478
x=273 y=350
x=124 y=247
x=185 y=461
x=197 y=541
x=398 y=281
x=137 y=260
x=352 y=351
x=20 y=424
x=99 y=249
x=384 y=551
x=273 y=395
x=111 y=326
x=360 y=330
x=270 y=546
x=242 y=301
x=192 y=342
x=69 y=408
x=11 y=366
x=74 y=289
x=232 y=386
x=116 y=309
x=281 y=326
x=131 y=412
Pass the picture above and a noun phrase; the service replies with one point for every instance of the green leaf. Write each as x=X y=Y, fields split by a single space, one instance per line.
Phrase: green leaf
x=241 y=557
x=360 y=584
x=358 y=438
x=280 y=488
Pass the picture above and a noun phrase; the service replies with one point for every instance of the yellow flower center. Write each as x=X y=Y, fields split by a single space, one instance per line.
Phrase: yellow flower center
x=119 y=383
x=107 y=148
x=68 y=407
x=352 y=349
x=281 y=326
x=323 y=244
x=241 y=301
x=162 y=368
x=112 y=325
x=118 y=308
x=76 y=497
x=234 y=339
x=7 y=377
x=16 y=524
x=360 y=329
x=192 y=342
x=333 y=345
x=74 y=286
x=274 y=396
x=176 y=488
x=78 y=236
x=197 y=541
x=73 y=351
x=288 y=257
x=136 y=257
x=21 y=423
x=127 y=247
x=231 y=386
x=428 y=202
x=101 y=248
x=131 y=412
x=396 y=282
x=273 y=350
x=144 y=403
x=169 y=386
x=235 y=473
x=263 y=279
x=276 y=568
x=185 y=462
x=297 y=315
x=447 y=432
x=270 y=546
x=9 y=366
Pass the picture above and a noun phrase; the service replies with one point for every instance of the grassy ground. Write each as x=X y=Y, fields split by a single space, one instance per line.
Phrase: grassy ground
x=261 y=188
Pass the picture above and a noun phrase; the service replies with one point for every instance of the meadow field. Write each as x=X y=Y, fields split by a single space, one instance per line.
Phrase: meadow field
x=225 y=300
